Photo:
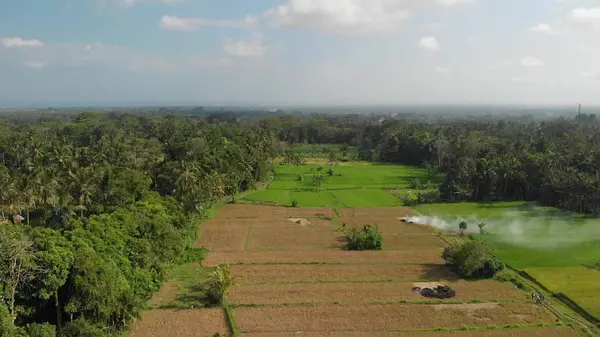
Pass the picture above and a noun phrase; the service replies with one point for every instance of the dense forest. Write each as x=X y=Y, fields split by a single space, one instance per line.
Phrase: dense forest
x=95 y=208
x=555 y=162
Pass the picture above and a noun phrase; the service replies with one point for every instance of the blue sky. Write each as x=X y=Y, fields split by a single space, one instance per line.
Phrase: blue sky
x=299 y=51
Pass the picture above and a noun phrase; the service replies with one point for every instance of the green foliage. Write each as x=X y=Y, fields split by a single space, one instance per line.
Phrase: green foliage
x=509 y=276
x=462 y=226
x=481 y=225
x=295 y=203
x=330 y=172
x=192 y=255
x=82 y=328
x=367 y=238
x=41 y=330
x=472 y=259
x=220 y=284
x=318 y=179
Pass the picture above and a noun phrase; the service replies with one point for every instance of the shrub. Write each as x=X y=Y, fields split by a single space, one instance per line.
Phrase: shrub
x=82 y=328
x=472 y=260
x=295 y=203
x=330 y=172
x=300 y=177
x=367 y=238
x=41 y=330
x=220 y=284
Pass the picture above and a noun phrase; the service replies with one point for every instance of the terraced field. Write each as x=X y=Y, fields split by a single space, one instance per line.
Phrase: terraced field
x=296 y=279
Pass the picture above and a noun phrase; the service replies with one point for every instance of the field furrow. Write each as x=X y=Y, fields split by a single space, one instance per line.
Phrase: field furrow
x=386 y=317
x=524 y=332
x=331 y=256
x=316 y=273
x=181 y=323
x=485 y=290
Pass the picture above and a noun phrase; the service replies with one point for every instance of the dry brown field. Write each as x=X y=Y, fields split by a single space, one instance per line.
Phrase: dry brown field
x=223 y=238
x=294 y=237
x=295 y=278
x=523 y=332
x=181 y=323
x=339 y=273
x=485 y=290
x=330 y=256
x=386 y=317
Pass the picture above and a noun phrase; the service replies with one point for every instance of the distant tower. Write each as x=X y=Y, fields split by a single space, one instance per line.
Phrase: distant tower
x=579 y=110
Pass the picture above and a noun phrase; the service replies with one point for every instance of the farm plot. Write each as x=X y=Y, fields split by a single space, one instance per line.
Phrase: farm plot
x=366 y=198
x=222 y=238
x=383 y=213
x=552 y=331
x=339 y=273
x=330 y=257
x=392 y=292
x=181 y=323
x=580 y=284
x=388 y=227
x=413 y=242
x=386 y=317
x=294 y=237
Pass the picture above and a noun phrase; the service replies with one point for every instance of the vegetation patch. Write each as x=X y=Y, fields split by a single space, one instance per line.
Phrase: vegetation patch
x=472 y=259
x=367 y=238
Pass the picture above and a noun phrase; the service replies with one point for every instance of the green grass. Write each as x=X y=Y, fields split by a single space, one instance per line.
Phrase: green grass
x=549 y=244
x=355 y=184
x=189 y=276
x=580 y=284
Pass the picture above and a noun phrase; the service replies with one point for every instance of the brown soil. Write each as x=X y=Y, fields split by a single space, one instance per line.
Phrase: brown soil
x=167 y=294
x=299 y=221
x=294 y=238
x=312 y=273
x=413 y=242
x=332 y=256
x=381 y=317
x=181 y=323
x=241 y=211
x=486 y=290
x=389 y=227
x=223 y=238
x=525 y=332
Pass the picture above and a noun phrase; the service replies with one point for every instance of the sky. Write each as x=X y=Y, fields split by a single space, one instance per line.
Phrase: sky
x=299 y=52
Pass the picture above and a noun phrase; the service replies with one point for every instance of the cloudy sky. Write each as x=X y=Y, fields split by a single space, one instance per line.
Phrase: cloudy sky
x=300 y=51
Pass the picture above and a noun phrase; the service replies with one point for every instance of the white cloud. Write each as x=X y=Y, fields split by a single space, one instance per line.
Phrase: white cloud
x=530 y=61
x=586 y=15
x=168 y=22
x=240 y=48
x=429 y=43
x=541 y=28
x=341 y=16
x=10 y=42
x=440 y=69
x=450 y=3
x=35 y=64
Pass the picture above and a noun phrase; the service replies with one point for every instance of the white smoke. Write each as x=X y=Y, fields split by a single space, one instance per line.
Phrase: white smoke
x=537 y=230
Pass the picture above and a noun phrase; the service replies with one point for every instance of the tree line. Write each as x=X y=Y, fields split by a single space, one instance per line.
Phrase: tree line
x=555 y=162
x=95 y=208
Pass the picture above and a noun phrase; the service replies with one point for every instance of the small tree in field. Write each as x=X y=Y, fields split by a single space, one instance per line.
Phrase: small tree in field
x=481 y=225
x=463 y=227
x=318 y=179
x=367 y=238
x=220 y=284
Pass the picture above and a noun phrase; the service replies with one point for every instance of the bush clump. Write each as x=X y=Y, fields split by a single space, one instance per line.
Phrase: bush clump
x=472 y=259
x=220 y=284
x=367 y=238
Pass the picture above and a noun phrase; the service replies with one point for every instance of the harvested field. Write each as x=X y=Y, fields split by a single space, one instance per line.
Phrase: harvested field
x=294 y=237
x=181 y=323
x=223 y=238
x=525 y=332
x=384 y=317
x=413 y=242
x=331 y=256
x=486 y=290
x=167 y=293
x=312 y=273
